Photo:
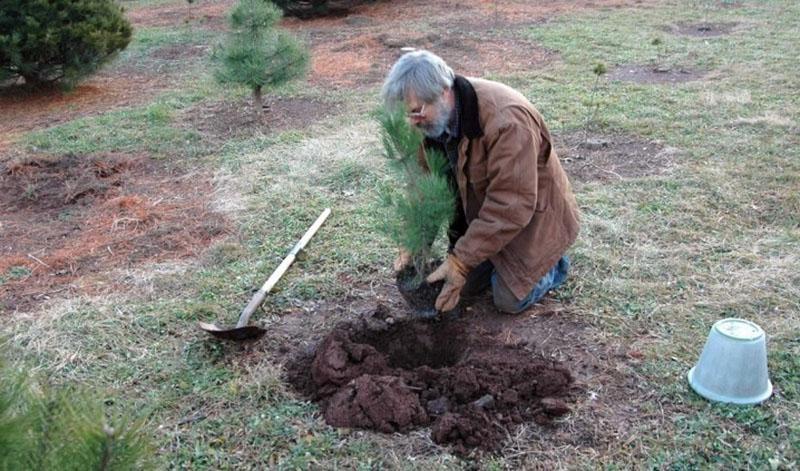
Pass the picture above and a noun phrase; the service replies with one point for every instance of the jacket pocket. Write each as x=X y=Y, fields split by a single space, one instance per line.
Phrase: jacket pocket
x=477 y=178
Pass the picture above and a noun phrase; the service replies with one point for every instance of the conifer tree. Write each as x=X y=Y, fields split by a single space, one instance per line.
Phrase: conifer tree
x=47 y=428
x=257 y=54
x=422 y=202
x=46 y=41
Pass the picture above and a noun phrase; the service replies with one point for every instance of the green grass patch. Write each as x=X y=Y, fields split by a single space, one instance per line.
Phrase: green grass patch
x=145 y=129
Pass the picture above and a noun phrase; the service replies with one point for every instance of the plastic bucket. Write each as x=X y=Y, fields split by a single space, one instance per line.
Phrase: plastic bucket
x=733 y=365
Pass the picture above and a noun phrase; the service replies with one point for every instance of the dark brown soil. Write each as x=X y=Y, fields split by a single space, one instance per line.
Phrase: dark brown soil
x=638 y=73
x=593 y=157
x=418 y=293
x=608 y=399
x=703 y=30
x=394 y=377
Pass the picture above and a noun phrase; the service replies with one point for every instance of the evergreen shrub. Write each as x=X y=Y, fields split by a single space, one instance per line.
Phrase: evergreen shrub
x=45 y=41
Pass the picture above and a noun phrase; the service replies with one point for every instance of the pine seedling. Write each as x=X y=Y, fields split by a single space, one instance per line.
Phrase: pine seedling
x=423 y=202
x=598 y=70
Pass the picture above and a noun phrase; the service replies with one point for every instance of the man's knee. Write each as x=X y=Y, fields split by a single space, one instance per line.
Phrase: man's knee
x=507 y=307
x=504 y=299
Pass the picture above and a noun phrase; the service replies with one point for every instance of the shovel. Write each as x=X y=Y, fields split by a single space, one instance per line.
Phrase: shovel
x=242 y=331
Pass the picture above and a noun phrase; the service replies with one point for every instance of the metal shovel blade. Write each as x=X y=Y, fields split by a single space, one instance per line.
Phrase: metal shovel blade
x=242 y=331
x=247 y=332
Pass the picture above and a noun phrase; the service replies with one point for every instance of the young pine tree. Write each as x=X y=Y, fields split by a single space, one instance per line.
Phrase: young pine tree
x=257 y=54
x=423 y=202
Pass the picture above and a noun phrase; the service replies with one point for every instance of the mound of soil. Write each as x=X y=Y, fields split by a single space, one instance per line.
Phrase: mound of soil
x=471 y=389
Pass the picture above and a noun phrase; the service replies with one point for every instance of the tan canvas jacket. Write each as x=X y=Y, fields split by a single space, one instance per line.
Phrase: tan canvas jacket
x=518 y=202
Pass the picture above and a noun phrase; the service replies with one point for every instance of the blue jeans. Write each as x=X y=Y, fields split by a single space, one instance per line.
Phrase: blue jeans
x=507 y=302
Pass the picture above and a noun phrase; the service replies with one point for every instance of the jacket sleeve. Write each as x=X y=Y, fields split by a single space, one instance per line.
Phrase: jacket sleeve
x=510 y=201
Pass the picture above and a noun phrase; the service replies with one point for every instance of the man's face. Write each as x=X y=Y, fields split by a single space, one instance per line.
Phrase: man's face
x=430 y=118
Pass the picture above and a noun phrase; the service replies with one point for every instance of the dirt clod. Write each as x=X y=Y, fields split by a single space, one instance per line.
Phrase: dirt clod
x=383 y=403
x=340 y=360
x=554 y=407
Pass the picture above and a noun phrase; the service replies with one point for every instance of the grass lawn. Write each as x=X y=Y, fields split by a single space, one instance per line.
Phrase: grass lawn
x=660 y=258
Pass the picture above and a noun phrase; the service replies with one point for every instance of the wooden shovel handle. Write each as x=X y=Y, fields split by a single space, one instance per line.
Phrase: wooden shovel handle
x=258 y=298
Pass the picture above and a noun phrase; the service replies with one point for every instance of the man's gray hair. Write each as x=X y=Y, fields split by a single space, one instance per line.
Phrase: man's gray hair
x=422 y=72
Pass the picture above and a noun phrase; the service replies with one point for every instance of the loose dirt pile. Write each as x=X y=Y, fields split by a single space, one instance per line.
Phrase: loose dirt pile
x=394 y=377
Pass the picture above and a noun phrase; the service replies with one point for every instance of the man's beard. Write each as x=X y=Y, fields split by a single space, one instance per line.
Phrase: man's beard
x=436 y=127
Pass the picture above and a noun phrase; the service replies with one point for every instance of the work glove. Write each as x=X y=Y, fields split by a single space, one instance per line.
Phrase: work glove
x=403 y=260
x=454 y=274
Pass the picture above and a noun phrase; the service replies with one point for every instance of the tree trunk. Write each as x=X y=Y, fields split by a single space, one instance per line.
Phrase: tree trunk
x=258 y=104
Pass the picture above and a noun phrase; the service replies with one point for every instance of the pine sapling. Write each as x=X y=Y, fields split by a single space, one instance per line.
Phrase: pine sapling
x=598 y=70
x=257 y=54
x=422 y=202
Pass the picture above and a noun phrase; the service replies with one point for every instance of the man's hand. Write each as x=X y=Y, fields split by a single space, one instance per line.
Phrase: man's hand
x=454 y=274
x=403 y=260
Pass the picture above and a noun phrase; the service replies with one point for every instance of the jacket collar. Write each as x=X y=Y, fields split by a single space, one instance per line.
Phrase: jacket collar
x=468 y=99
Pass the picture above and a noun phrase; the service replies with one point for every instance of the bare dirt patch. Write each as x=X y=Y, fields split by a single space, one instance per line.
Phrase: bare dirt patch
x=218 y=121
x=357 y=50
x=525 y=12
x=655 y=74
x=364 y=60
x=702 y=30
x=210 y=15
x=611 y=157
x=67 y=219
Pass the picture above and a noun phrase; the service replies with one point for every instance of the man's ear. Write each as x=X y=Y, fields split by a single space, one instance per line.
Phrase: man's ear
x=448 y=95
